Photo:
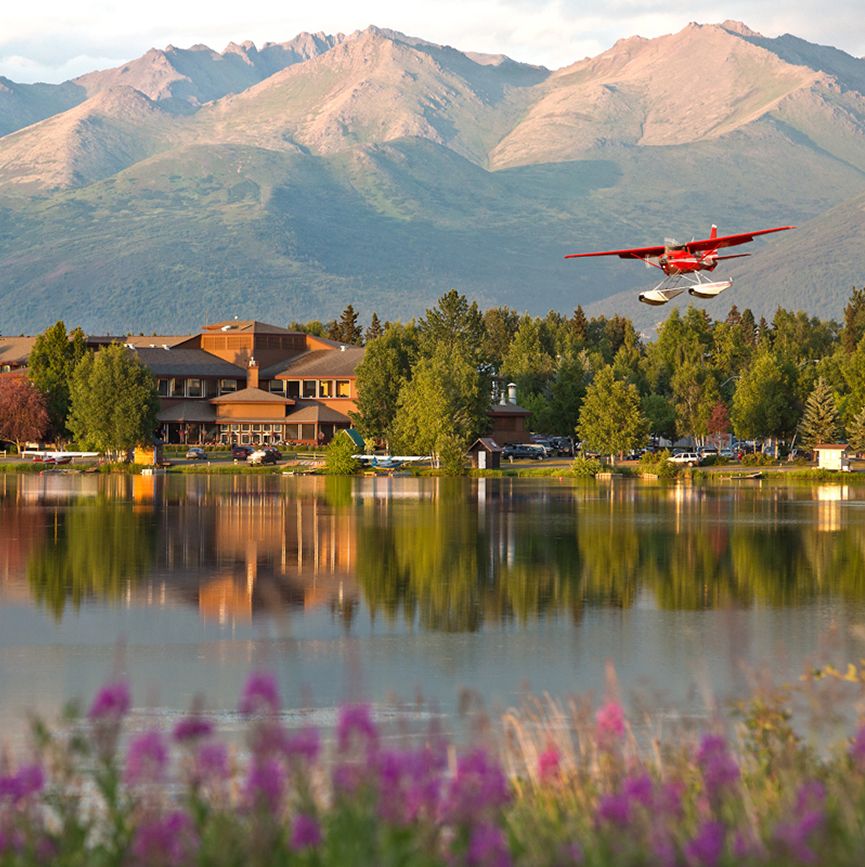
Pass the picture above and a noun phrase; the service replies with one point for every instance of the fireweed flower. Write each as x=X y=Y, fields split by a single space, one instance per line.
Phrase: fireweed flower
x=192 y=728
x=614 y=809
x=146 y=759
x=409 y=784
x=355 y=721
x=26 y=781
x=706 y=848
x=265 y=784
x=718 y=767
x=549 y=763
x=639 y=789
x=478 y=788
x=167 y=840
x=305 y=832
x=211 y=763
x=610 y=721
x=112 y=702
x=303 y=745
x=260 y=695
x=808 y=819
x=857 y=748
x=488 y=847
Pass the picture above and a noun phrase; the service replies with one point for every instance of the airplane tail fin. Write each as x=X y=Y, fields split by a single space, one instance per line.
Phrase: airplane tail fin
x=714 y=232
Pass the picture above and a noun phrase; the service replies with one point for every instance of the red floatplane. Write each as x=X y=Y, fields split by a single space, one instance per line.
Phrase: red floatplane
x=683 y=263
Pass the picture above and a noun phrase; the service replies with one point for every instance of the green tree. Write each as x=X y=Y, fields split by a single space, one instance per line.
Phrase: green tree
x=820 y=422
x=500 y=326
x=853 y=329
x=764 y=403
x=346 y=329
x=856 y=431
x=376 y=329
x=23 y=415
x=660 y=414
x=557 y=410
x=52 y=360
x=113 y=401
x=386 y=365
x=445 y=397
x=611 y=421
x=695 y=393
x=339 y=457
x=456 y=323
x=528 y=360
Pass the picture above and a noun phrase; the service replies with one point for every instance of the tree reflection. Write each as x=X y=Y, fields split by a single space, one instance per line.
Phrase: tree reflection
x=98 y=547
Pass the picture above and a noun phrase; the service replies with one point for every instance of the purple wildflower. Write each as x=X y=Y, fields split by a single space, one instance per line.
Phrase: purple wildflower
x=192 y=728
x=112 y=702
x=303 y=745
x=549 y=762
x=27 y=780
x=857 y=748
x=478 y=787
x=409 y=784
x=610 y=721
x=639 y=789
x=167 y=840
x=265 y=783
x=718 y=766
x=305 y=832
x=260 y=695
x=488 y=847
x=146 y=759
x=211 y=763
x=669 y=798
x=708 y=846
x=808 y=819
x=356 y=719
x=614 y=809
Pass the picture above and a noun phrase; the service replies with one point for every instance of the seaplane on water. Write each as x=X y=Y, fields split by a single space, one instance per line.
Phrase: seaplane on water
x=682 y=264
x=55 y=457
x=389 y=462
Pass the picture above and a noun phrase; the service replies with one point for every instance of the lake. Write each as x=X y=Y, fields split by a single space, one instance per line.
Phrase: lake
x=385 y=589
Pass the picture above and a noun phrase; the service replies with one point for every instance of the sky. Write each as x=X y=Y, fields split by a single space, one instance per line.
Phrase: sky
x=57 y=39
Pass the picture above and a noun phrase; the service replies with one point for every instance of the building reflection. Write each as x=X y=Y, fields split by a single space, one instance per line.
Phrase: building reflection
x=437 y=554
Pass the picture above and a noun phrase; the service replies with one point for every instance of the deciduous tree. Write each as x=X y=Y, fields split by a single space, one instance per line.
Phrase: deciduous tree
x=764 y=403
x=113 y=401
x=23 y=415
x=611 y=421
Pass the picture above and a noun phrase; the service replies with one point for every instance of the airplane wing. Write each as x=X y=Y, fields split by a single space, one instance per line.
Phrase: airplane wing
x=731 y=240
x=634 y=253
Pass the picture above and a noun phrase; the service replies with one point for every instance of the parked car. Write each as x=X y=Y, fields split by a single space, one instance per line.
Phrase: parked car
x=729 y=454
x=241 y=453
x=263 y=456
x=688 y=459
x=196 y=453
x=523 y=450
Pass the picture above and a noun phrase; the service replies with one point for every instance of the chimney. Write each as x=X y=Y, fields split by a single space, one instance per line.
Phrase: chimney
x=512 y=393
x=252 y=373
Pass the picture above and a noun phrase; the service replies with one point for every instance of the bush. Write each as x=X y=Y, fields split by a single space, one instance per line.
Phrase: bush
x=453 y=458
x=658 y=463
x=338 y=460
x=758 y=459
x=586 y=467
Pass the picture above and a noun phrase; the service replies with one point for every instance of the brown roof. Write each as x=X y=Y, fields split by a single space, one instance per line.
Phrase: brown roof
x=318 y=362
x=188 y=410
x=155 y=341
x=507 y=409
x=311 y=412
x=15 y=350
x=829 y=446
x=251 y=395
x=188 y=362
x=487 y=443
x=247 y=326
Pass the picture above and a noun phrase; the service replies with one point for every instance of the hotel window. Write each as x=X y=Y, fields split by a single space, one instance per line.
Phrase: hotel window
x=307 y=432
x=163 y=387
x=325 y=388
x=291 y=431
x=244 y=427
x=292 y=388
x=226 y=386
x=309 y=388
x=343 y=388
x=265 y=428
x=235 y=428
x=175 y=387
x=276 y=386
x=194 y=388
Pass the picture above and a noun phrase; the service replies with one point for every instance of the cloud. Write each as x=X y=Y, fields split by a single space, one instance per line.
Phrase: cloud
x=63 y=39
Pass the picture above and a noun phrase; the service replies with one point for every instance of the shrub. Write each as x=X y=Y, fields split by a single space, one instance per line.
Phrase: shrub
x=338 y=460
x=453 y=458
x=585 y=468
x=758 y=459
x=658 y=463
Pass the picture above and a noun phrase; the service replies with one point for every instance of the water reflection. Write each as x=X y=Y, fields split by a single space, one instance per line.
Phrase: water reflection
x=438 y=554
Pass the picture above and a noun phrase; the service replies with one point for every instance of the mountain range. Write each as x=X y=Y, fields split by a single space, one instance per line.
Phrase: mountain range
x=378 y=169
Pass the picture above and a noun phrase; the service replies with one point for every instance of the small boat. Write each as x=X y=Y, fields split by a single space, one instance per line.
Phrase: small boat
x=756 y=474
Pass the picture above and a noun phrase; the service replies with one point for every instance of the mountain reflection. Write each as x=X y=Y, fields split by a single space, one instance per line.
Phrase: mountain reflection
x=446 y=555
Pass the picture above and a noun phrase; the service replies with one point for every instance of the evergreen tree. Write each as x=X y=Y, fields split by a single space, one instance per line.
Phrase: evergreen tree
x=375 y=329
x=52 y=360
x=820 y=420
x=579 y=327
x=500 y=326
x=854 y=321
x=346 y=329
x=113 y=401
x=856 y=431
x=611 y=420
x=528 y=360
x=453 y=322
